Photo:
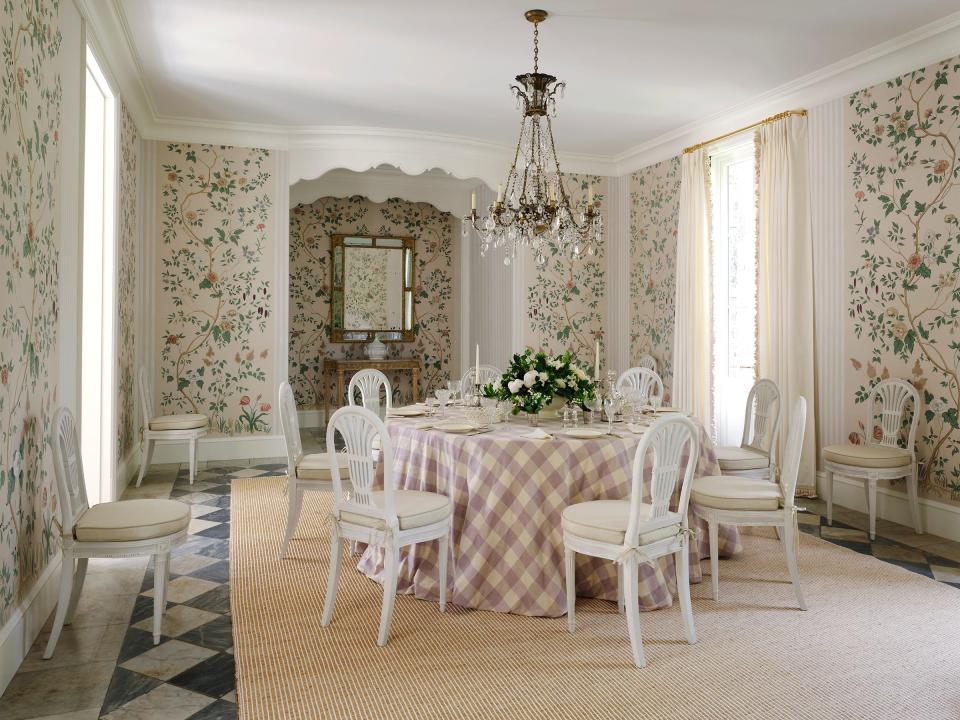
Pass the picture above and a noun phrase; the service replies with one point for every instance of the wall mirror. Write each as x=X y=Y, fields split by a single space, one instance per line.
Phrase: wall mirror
x=371 y=288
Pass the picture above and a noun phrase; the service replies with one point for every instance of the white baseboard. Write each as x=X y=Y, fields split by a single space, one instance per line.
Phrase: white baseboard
x=311 y=418
x=938 y=518
x=128 y=469
x=240 y=447
x=27 y=620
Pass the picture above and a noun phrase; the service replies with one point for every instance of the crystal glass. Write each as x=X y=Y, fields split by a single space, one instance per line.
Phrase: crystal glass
x=455 y=388
x=656 y=401
x=595 y=407
x=567 y=416
x=611 y=406
x=444 y=397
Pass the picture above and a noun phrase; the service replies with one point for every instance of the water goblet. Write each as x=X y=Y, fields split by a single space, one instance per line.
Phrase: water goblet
x=611 y=406
x=443 y=396
x=595 y=406
x=656 y=402
x=456 y=389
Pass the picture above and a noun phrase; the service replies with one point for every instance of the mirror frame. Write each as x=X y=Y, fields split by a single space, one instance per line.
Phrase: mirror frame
x=339 y=334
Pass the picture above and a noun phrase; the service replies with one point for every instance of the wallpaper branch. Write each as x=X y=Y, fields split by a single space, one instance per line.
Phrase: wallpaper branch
x=127 y=422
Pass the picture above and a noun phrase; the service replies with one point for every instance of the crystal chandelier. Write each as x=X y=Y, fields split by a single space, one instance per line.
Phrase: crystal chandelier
x=532 y=207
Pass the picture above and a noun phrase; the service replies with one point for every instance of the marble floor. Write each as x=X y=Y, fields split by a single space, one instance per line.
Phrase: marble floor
x=107 y=666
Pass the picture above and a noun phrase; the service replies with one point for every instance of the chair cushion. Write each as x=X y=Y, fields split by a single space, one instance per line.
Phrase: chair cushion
x=187 y=421
x=317 y=467
x=127 y=520
x=739 y=458
x=867 y=456
x=606 y=521
x=726 y=492
x=414 y=509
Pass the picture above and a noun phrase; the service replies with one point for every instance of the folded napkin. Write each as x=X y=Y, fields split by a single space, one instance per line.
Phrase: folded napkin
x=538 y=434
x=637 y=428
x=423 y=426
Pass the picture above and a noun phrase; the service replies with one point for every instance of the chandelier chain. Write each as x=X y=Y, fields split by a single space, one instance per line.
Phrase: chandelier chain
x=536 y=47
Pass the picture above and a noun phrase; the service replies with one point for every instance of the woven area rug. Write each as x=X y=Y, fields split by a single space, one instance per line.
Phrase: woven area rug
x=877 y=642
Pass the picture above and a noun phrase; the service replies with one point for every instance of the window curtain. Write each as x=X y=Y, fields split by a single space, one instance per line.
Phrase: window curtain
x=693 y=339
x=785 y=278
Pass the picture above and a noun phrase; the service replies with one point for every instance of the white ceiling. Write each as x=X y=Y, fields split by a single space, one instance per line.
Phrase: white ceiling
x=634 y=70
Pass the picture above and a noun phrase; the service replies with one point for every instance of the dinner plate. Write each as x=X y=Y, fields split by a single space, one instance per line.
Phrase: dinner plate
x=584 y=433
x=412 y=411
x=668 y=410
x=455 y=427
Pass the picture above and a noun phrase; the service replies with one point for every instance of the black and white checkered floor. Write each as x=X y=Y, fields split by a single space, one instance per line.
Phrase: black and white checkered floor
x=190 y=674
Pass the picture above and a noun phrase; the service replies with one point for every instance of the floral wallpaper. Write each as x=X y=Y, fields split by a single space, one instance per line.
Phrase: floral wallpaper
x=366 y=302
x=436 y=290
x=654 y=209
x=215 y=298
x=127 y=422
x=566 y=298
x=903 y=257
x=30 y=120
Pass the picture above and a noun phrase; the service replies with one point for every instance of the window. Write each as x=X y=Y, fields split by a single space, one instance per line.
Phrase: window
x=734 y=271
x=98 y=355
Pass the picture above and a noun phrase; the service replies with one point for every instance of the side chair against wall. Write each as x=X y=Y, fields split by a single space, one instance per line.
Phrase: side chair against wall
x=630 y=531
x=880 y=457
x=126 y=528
x=305 y=473
x=640 y=380
x=488 y=373
x=371 y=383
x=647 y=361
x=185 y=427
x=761 y=429
x=743 y=501
x=389 y=518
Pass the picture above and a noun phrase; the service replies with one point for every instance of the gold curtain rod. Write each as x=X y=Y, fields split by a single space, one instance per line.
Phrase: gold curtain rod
x=772 y=118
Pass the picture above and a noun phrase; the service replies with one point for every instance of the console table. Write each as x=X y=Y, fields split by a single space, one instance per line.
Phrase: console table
x=343 y=368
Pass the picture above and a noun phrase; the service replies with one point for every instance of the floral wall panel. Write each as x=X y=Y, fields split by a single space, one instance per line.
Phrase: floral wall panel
x=215 y=298
x=30 y=121
x=436 y=284
x=127 y=422
x=654 y=209
x=903 y=257
x=566 y=298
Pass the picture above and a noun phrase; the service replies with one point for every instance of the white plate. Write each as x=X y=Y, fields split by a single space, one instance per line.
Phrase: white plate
x=407 y=412
x=455 y=427
x=584 y=433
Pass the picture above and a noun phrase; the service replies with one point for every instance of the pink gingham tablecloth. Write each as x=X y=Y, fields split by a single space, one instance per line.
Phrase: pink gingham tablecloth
x=508 y=492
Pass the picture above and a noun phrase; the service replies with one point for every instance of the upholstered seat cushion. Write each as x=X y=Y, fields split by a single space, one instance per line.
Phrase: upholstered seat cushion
x=740 y=458
x=127 y=520
x=317 y=467
x=606 y=521
x=187 y=421
x=725 y=492
x=867 y=456
x=414 y=509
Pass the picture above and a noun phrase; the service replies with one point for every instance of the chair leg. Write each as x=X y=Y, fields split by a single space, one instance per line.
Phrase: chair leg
x=63 y=602
x=333 y=577
x=870 y=486
x=159 y=593
x=790 y=539
x=78 y=578
x=145 y=459
x=714 y=528
x=913 y=493
x=391 y=557
x=193 y=459
x=682 y=565
x=443 y=570
x=633 y=612
x=828 y=494
x=621 y=605
x=570 y=578
x=294 y=505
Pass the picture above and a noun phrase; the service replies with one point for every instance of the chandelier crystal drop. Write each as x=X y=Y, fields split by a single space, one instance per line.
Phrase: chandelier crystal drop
x=532 y=207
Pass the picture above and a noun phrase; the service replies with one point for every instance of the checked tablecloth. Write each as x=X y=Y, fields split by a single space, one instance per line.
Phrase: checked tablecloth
x=508 y=492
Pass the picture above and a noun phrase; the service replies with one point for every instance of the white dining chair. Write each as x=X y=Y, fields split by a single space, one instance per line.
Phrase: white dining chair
x=125 y=528
x=488 y=373
x=370 y=383
x=185 y=427
x=631 y=531
x=744 y=501
x=305 y=473
x=389 y=518
x=640 y=380
x=648 y=362
x=880 y=457
x=761 y=428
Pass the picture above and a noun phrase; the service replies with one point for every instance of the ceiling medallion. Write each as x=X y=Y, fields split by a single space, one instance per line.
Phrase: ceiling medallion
x=532 y=207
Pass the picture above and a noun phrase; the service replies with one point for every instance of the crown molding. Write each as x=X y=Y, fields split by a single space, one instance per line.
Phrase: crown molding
x=916 y=49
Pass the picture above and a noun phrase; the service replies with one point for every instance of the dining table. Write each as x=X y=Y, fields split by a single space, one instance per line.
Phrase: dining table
x=509 y=483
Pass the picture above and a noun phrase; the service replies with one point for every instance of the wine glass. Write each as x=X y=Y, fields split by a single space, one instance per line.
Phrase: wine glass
x=656 y=402
x=595 y=406
x=443 y=395
x=636 y=400
x=456 y=388
x=611 y=405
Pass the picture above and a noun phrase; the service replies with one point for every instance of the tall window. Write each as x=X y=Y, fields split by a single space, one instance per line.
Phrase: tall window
x=734 y=286
x=97 y=439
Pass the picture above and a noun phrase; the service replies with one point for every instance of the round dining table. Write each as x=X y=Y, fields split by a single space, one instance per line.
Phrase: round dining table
x=509 y=486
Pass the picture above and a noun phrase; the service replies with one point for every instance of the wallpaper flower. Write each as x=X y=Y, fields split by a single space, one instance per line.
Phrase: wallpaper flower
x=566 y=298
x=366 y=301
x=127 y=422
x=435 y=279
x=215 y=301
x=904 y=267
x=30 y=121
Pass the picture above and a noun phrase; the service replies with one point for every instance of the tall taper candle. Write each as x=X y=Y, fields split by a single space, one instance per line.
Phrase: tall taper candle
x=473 y=201
x=476 y=372
x=596 y=363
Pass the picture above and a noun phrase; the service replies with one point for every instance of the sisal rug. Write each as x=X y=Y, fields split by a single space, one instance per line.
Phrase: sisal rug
x=877 y=642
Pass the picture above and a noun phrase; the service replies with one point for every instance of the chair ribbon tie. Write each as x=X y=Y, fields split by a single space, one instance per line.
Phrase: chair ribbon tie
x=631 y=553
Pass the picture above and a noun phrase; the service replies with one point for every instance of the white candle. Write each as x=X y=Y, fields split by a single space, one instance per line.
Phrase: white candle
x=476 y=371
x=553 y=195
x=596 y=363
x=499 y=193
x=473 y=201
x=590 y=195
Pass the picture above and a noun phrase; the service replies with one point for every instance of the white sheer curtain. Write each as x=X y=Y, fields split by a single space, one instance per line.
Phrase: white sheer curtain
x=692 y=341
x=785 y=276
